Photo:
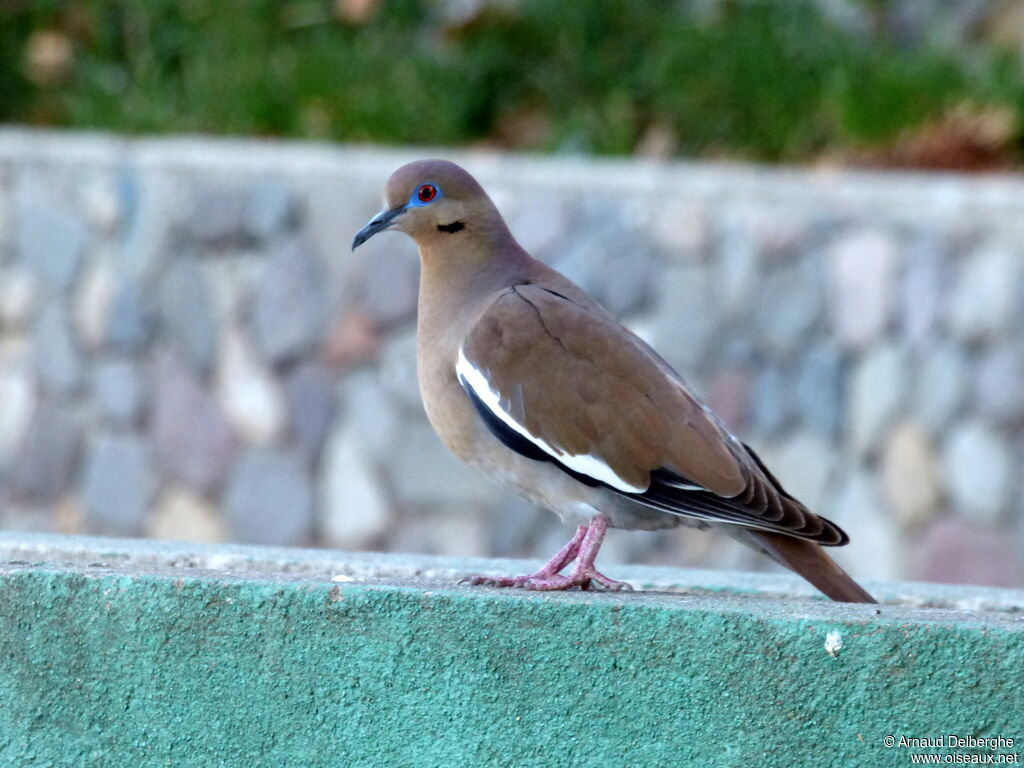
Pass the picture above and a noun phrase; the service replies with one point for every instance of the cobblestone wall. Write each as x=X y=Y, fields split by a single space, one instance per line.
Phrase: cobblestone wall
x=189 y=350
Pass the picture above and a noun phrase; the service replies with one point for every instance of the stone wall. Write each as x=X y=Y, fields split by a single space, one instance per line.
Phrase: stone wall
x=189 y=350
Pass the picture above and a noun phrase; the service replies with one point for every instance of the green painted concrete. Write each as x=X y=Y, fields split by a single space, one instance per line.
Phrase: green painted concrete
x=143 y=664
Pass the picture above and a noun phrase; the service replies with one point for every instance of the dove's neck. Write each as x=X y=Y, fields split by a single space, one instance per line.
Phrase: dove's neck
x=457 y=284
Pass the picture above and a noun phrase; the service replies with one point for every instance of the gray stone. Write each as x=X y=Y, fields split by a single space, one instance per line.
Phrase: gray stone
x=131 y=318
x=118 y=391
x=450 y=531
x=599 y=214
x=29 y=518
x=864 y=267
x=423 y=471
x=312 y=403
x=58 y=360
x=686 y=319
x=820 y=388
x=117 y=486
x=740 y=350
x=999 y=385
x=778 y=235
x=6 y=215
x=193 y=440
x=187 y=313
x=269 y=500
x=910 y=24
x=805 y=464
x=153 y=208
x=514 y=526
x=355 y=510
x=627 y=547
x=789 y=304
x=626 y=281
x=878 y=389
x=43 y=468
x=738 y=278
x=924 y=286
x=910 y=475
x=292 y=304
x=218 y=213
x=461 y=530
x=52 y=243
x=1017 y=519
x=941 y=387
x=270 y=209
x=772 y=406
x=986 y=301
x=375 y=415
x=127 y=189
x=538 y=224
x=582 y=261
x=702 y=550
x=389 y=287
x=336 y=206
x=398 y=368
x=978 y=463
x=876 y=551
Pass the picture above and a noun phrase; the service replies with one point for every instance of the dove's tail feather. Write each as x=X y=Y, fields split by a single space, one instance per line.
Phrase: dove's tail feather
x=809 y=560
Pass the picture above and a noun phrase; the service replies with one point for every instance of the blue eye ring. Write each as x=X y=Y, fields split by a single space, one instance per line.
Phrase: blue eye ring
x=424 y=194
x=427 y=193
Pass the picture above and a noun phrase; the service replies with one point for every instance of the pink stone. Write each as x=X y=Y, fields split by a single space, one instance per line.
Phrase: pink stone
x=728 y=396
x=193 y=440
x=953 y=551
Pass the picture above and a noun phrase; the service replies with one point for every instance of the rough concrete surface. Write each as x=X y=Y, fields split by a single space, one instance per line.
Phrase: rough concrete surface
x=132 y=654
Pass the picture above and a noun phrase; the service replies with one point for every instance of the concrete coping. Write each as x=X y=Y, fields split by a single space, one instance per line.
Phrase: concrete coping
x=147 y=653
x=896 y=194
x=679 y=587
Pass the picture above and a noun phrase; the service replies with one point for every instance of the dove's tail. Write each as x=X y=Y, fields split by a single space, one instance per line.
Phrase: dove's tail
x=809 y=560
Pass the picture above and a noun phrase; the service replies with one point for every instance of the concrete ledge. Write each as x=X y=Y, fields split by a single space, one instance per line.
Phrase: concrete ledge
x=139 y=654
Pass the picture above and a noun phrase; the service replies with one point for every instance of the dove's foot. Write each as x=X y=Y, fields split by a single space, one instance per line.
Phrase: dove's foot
x=583 y=578
x=553 y=582
x=583 y=549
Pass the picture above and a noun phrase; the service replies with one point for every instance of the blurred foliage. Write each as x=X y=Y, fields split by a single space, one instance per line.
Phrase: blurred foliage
x=757 y=79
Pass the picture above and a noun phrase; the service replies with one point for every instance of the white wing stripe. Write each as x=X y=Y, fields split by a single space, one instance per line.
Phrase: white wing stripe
x=684 y=486
x=585 y=464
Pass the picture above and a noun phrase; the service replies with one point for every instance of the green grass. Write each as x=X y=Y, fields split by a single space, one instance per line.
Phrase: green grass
x=759 y=79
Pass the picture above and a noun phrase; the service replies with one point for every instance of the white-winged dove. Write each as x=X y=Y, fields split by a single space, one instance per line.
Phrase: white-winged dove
x=531 y=381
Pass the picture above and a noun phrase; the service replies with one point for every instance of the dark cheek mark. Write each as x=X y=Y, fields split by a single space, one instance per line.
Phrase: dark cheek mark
x=455 y=226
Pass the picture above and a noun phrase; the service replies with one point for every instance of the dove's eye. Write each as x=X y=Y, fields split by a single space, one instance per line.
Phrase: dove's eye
x=426 y=193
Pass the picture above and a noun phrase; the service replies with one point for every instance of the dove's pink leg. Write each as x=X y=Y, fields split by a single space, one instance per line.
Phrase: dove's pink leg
x=583 y=548
x=562 y=558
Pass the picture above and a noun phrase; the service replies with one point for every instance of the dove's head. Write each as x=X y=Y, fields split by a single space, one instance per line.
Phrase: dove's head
x=436 y=203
